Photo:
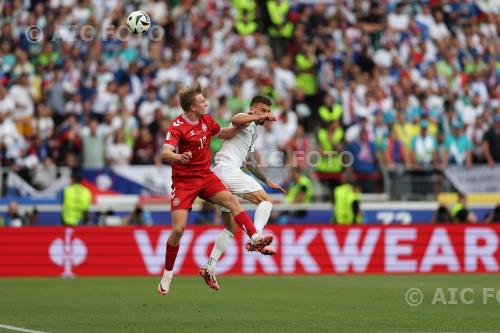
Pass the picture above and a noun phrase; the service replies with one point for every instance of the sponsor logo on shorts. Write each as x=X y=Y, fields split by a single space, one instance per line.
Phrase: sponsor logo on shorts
x=169 y=136
x=176 y=201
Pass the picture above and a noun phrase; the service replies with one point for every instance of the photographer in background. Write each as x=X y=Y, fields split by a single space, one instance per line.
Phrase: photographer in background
x=14 y=218
x=493 y=216
x=461 y=213
x=138 y=217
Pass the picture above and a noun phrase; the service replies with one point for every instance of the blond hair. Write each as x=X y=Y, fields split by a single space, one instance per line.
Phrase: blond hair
x=187 y=95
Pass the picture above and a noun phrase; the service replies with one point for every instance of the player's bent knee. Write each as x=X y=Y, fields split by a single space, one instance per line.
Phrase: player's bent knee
x=178 y=231
x=233 y=205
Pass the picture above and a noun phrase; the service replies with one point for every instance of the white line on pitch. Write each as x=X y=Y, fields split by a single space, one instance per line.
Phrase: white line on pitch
x=19 y=329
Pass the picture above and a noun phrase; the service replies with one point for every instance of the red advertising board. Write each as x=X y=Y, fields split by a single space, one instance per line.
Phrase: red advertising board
x=97 y=251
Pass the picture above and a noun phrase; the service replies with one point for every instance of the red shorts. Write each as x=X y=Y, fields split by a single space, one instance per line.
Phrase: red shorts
x=185 y=190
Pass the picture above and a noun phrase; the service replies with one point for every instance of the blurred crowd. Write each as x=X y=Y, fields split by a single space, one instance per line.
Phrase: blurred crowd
x=399 y=84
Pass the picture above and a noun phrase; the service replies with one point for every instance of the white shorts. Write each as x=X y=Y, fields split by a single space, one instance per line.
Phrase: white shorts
x=236 y=180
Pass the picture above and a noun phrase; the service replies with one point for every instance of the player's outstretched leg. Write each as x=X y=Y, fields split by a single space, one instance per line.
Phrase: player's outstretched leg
x=222 y=241
x=179 y=221
x=261 y=217
x=208 y=275
x=226 y=199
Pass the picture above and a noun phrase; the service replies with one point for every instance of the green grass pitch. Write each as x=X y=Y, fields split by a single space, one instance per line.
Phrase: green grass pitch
x=349 y=303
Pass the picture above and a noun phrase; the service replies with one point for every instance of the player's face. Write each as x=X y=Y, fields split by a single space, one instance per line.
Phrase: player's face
x=200 y=106
x=259 y=109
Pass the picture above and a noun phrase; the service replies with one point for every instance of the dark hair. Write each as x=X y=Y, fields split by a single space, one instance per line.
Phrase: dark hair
x=261 y=99
x=187 y=95
x=76 y=175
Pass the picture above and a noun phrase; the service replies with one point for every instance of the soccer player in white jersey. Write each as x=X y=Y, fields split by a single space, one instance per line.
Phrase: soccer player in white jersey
x=233 y=155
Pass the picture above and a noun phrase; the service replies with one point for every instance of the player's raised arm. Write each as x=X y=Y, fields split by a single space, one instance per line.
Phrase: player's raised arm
x=221 y=133
x=228 y=132
x=242 y=119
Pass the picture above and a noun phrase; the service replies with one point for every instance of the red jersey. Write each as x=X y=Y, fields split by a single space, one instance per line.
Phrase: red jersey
x=185 y=135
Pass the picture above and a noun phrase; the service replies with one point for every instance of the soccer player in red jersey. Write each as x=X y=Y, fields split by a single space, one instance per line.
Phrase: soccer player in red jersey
x=190 y=135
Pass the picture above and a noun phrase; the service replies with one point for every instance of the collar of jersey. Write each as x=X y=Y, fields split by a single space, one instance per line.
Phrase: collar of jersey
x=189 y=120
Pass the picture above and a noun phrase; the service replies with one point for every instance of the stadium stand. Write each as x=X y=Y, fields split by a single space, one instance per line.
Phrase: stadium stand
x=408 y=88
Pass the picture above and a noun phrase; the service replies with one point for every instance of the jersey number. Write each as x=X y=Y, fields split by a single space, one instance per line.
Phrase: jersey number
x=202 y=142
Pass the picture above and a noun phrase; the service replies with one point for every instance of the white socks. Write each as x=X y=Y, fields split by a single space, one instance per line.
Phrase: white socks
x=221 y=243
x=167 y=275
x=262 y=214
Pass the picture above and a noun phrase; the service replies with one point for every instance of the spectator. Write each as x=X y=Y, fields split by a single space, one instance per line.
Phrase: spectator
x=147 y=108
x=449 y=119
x=305 y=62
x=173 y=108
x=280 y=28
x=45 y=173
x=106 y=100
x=286 y=125
x=298 y=149
x=126 y=122
x=365 y=159
x=55 y=98
x=330 y=144
x=476 y=133
x=424 y=149
x=7 y=104
x=94 y=145
x=300 y=189
x=76 y=202
x=10 y=139
x=491 y=142
x=70 y=143
x=284 y=78
x=354 y=131
x=380 y=129
x=22 y=95
x=458 y=149
x=119 y=152
x=44 y=124
x=395 y=152
x=267 y=145
x=398 y=21
x=329 y=111
x=144 y=148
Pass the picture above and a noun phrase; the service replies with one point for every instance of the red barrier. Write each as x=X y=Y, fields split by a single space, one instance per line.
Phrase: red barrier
x=312 y=250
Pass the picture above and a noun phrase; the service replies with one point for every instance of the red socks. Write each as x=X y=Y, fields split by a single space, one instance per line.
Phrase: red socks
x=244 y=221
x=170 y=256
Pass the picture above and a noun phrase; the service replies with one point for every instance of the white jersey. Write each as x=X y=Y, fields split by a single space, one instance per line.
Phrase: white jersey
x=234 y=151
